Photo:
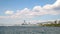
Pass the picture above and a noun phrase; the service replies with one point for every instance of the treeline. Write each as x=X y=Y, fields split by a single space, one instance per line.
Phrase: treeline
x=55 y=23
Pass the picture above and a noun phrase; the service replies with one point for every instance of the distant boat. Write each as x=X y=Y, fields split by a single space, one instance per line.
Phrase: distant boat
x=25 y=24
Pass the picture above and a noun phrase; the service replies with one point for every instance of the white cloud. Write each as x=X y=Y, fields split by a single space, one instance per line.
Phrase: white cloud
x=36 y=11
x=25 y=13
x=9 y=12
x=57 y=3
x=37 y=8
x=52 y=6
x=48 y=6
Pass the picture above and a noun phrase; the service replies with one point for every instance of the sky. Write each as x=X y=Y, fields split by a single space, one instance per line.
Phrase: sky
x=33 y=11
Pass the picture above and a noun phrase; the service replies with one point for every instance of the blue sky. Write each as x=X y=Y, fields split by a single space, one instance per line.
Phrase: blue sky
x=29 y=10
x=21 y=4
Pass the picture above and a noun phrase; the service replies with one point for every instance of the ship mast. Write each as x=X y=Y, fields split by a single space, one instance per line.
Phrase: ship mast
x=24 y=21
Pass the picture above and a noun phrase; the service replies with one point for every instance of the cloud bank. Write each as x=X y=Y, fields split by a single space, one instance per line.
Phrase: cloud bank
x=53 y=9
x=9 y=12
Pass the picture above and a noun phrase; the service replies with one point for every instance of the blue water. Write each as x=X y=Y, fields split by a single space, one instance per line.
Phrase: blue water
x=29 y=30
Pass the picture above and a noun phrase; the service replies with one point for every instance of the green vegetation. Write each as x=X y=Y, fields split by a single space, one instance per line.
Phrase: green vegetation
x=54 y=24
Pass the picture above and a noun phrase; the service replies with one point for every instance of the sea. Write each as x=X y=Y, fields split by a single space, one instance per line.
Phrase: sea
x=29 y=30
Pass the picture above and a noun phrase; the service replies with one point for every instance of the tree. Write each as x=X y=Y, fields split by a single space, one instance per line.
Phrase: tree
x=55 y=22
